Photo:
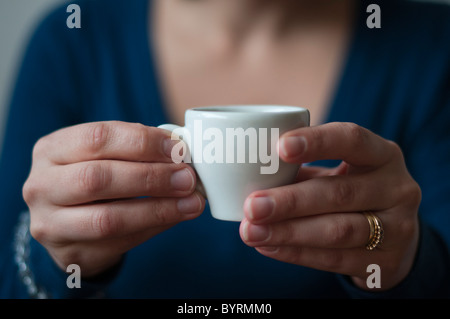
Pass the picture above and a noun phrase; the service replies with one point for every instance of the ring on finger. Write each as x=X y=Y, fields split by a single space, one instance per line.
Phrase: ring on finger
x=376 y=233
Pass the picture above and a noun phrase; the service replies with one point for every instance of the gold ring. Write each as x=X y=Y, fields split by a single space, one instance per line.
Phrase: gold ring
x=376 y=234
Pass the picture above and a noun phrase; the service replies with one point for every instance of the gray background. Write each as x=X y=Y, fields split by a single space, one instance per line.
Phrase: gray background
x=17 y=20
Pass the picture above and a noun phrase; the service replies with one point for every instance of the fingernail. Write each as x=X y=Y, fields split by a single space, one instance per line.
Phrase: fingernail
x=182 y=180
x=293 y=146
x=256 y=233
x=260 y=207
x=189 y=205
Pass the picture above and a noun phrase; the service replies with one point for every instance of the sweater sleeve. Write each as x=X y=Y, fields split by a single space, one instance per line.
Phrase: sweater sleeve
x=429 y=163
x=46 y=98
x=430 y=166
x=429 y=277
x=427 y=155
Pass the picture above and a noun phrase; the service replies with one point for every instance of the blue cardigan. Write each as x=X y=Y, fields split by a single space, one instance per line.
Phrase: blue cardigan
x=395 y=82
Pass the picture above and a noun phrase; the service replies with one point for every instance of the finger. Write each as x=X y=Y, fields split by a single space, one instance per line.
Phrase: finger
x=308 y=172
x=345 y=230
x=329 y=194
x=99 y=251
x=339 y=141
x=351 y=261
x=116 y=219
x=85 y=182
x=106 y=140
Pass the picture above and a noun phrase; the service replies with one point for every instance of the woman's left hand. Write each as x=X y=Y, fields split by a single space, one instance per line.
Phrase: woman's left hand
x=318 y=222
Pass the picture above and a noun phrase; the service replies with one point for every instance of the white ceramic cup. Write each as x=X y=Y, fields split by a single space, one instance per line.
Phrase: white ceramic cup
x=233 y=150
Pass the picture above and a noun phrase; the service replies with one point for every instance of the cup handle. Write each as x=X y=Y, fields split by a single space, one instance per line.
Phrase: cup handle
x=171 y=127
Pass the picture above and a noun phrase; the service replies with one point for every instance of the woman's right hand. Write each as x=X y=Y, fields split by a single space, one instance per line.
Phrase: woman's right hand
x=96 y=190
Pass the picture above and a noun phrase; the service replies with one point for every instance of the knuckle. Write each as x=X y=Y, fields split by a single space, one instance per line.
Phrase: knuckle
x=141 y=140
x=415 y=195
x=339 y=232
x=407 y=228
x=395 y=149
x=409 y=195
x=150 y=176
x=40 y=147
x=412 y=195
x=287 y=236
x=67 y=256
x=97 y=137
x=45 y=231
x=395 y=155
x=290 y=200
x=358 y=135
x=30 y=190
x=103 y=222
x=161 y=215
x=343 y=194
x=296 y=255
x=39 y=230
x=318 y=139
x=332 y=259
x=93 y=177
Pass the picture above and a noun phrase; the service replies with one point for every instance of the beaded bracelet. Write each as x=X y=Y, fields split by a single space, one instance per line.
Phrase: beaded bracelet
x=21 y=257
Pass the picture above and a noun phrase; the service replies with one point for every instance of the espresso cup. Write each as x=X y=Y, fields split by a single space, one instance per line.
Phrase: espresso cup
x=233 y=150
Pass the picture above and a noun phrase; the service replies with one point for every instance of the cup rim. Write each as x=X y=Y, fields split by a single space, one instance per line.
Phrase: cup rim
x=248 y=108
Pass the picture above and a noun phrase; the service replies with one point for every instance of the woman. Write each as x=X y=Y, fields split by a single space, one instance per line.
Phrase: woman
x=105 y=195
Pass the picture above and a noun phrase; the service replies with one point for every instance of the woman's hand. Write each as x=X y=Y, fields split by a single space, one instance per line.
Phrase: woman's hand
x=318 y=221
x=89 y=187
